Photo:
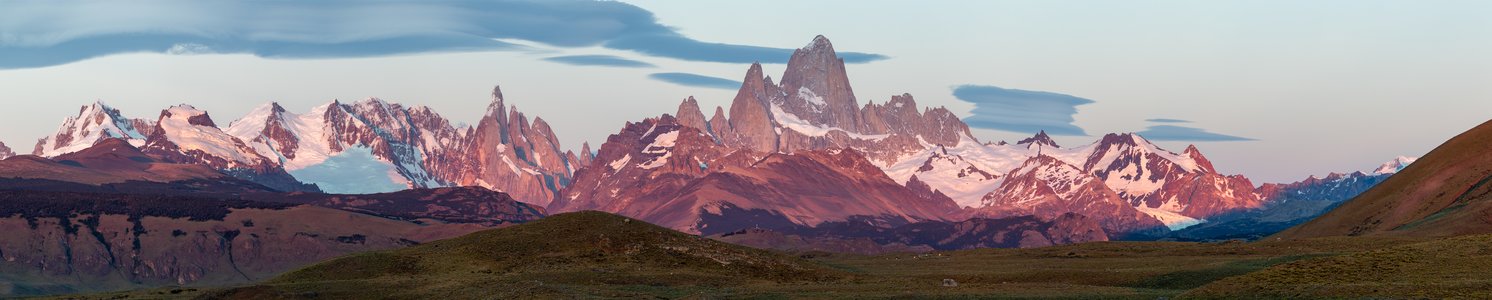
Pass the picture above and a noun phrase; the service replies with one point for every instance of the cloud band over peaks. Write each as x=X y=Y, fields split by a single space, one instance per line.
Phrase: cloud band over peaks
x=1021 y=110
x=47 y=33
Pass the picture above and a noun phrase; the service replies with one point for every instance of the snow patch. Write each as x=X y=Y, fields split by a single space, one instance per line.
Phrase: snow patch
x=792 y=122
x=211 y=140
x=662 y=144
x=617 y=165
x=1173 y=220
x=1394 y=166
x=353 y=171
x=815 y=101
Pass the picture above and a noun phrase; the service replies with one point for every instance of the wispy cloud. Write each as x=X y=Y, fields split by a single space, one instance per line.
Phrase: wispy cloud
x=1179 y=133
x=1167 y=121
x=697 y=80
x=599 y=60
x=46 y=33
x=1020 y=110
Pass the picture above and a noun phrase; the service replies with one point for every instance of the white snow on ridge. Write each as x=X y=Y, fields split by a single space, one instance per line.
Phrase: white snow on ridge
x=178 y=129
x=618 y=164
x=1394 y=166
x=790 y=121
x=93 y=123
x=966 y=191
x=814 y=100
x=316 y=142
x=662 y=144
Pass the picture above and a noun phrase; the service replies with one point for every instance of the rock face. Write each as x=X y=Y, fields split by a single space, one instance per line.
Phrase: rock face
x=507 y=153
x=814 y=108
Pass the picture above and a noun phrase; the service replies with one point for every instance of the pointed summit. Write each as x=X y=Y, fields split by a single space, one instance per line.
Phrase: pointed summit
x=1041 y=138
x=818 y=88
x=5 y=151
x=1201 y=161
x=94 y=122
x=820 y=43
x=750 y=112
x=690 y=115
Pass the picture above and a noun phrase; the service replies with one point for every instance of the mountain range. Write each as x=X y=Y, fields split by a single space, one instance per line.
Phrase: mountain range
x=796 y=153
x=798 y=164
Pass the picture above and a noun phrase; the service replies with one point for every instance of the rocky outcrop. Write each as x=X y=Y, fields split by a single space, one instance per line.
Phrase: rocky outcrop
x=5 y=152
x=816 y=88
x=750 y=116
x=506 y=153
x=815 y=108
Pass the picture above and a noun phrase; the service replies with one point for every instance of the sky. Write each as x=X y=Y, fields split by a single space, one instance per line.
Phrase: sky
x=1275 y=90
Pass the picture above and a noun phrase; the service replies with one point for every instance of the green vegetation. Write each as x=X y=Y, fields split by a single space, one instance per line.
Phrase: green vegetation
x=596 y=255
x=1449 y=268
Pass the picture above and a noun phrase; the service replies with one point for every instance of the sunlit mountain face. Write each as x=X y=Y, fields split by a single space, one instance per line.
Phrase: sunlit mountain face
x=352 y=150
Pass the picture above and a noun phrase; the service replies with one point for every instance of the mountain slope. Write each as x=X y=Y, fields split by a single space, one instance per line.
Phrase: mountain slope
x=676 y=176
x=69 y=242
x=113 y=217
x=1286 y=205
x=549 y=258
x=108 y=161
x=1048 y=188
x=1446 y=192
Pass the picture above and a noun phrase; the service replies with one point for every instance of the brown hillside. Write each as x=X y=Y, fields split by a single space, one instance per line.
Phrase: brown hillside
x=1444 y=193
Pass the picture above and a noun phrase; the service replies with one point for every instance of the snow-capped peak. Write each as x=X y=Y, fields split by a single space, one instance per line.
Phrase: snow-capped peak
x=819 y=43
x=255 y=121
x=190 y=128
x=1041 y=138
x=1395 y=165
x=93 y=123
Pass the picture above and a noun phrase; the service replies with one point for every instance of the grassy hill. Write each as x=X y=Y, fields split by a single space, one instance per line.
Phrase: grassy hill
x=597 y=255
x=1448 y=192
x=584 y=253
x=1450 y=268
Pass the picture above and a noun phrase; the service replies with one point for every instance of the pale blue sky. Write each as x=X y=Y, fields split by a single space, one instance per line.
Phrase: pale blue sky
x=1320 y=86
